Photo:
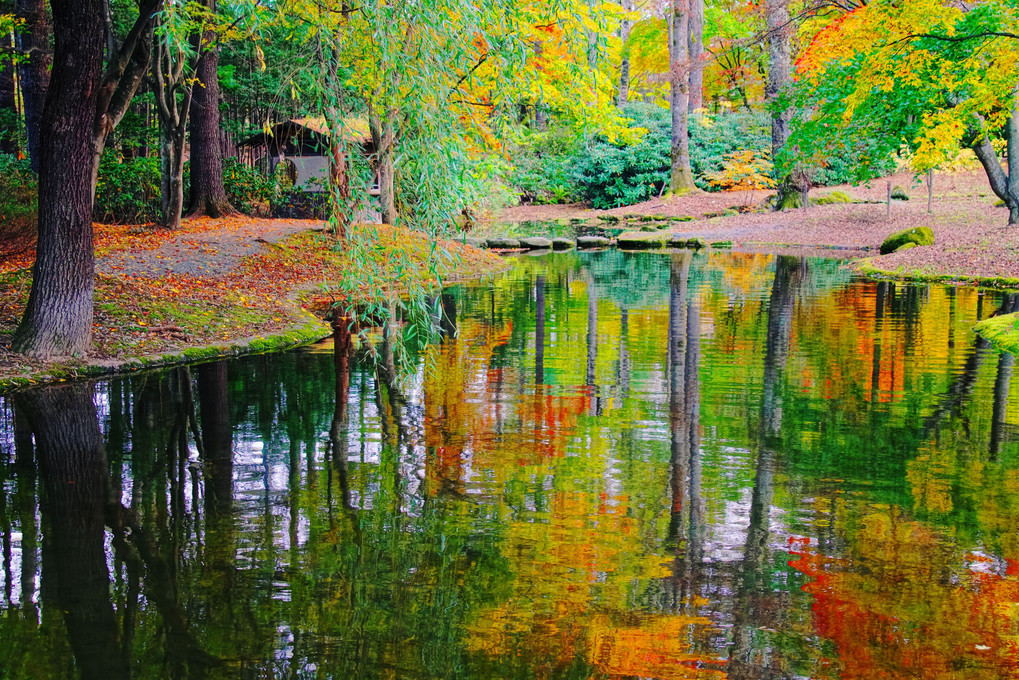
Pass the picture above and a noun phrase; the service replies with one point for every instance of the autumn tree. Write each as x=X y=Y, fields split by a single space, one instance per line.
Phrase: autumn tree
x=83 y=106
x=930 y=76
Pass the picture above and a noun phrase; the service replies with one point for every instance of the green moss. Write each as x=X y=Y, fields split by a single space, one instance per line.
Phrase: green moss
x=1002 y=331
x=832 y=198
x=899 y=194
x=921 y=236
x=906 y=246
x=866 y=267
x=681 y=218
x=721 y=244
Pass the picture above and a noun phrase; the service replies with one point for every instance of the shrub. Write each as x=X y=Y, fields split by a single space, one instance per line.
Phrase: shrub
x=612 y=175
x=249 y=190
x=542 y=166
x=715 y=139
x=127 y=190
x=19 y=197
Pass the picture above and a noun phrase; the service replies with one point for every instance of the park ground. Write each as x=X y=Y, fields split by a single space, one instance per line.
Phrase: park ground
x=220 y=287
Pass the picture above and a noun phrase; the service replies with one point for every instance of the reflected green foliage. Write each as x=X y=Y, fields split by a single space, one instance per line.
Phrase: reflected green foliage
x=607 y=465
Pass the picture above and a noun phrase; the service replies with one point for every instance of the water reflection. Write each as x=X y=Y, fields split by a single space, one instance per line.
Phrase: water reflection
x=611 y=465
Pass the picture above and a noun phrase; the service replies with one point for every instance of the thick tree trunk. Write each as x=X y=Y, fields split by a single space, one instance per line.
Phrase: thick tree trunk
x=681 y=180
x=35 y=70
x=208 y=196
x=623 y=95
x=777 y=24
x=695 y=48
x=72 y=463
x=82 y=107
x=58 y=320
x=1005 y=185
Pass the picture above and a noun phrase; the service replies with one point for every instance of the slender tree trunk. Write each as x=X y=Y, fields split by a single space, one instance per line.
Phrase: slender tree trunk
x=384 y=136
x=777 y=24
x=34 y=71
x=624 y=65
x=171 y=174
x=681 y=180
x=695 y=47
x=208 y=195
x=58 y=320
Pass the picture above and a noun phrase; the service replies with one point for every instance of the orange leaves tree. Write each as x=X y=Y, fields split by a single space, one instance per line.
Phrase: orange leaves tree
x=930 y=76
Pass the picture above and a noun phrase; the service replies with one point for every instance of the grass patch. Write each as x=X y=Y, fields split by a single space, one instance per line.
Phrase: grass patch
x=866 y=267
x=273 y=301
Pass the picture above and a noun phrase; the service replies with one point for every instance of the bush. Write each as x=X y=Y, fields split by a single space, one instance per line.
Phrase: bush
x=249 y=190
x=19 y=197
x=542 y=166
x=714 y=139
x=611 y=175
x=127 y=191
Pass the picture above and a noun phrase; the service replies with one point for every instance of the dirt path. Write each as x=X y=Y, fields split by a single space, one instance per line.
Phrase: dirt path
x=202 y=253
x=972 y=236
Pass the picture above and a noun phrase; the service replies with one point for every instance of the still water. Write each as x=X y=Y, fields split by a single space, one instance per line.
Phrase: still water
x=613 y=465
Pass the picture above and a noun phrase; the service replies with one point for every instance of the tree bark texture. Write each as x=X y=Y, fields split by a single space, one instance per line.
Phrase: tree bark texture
x=74 y=471
x=1004 y=184
x=623 y=96
x=34 y=71
x=779 y=30
x=681 y=180
x=208 y=195
x=58 y=320
x=384 y=136
x=82 y=107
x=695 y=48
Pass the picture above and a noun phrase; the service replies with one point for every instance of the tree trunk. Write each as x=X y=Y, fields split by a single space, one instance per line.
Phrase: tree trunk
x=681 y=180
x=82 y=107
x=35 y=70
x=624 y=65
x=695 y=48
x=777 y=24
x=217 y=438
x=1005 y=185
x=58 y=320
x=384 y=136
x=171 y=174
x=339 y=191
x=208 y=195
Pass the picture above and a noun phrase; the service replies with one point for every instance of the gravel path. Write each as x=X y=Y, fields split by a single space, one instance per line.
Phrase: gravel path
x=203 y=253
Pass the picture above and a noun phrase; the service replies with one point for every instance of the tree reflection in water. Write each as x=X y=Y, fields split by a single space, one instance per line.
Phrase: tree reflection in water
x=607 y=465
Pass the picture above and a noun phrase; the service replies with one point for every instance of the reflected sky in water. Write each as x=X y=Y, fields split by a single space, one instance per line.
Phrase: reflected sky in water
x=612 y=465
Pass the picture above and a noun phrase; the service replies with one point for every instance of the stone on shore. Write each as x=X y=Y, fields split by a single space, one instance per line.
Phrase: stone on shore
x=562 y=243
x=640 y=241
x=476 y=242
x=921 y=236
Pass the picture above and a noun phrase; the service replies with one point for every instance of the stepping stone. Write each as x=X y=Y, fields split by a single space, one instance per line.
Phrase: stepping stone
x=561 y=243
x=503 y=243
x=476 y=242
x=640 y=241
x=535 y=243
x=593 y=242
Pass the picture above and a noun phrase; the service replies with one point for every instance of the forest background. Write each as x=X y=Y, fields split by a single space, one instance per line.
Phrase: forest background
x=477 y=104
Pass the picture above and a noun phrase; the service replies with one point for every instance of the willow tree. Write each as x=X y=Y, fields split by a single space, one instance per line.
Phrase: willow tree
x=84 y=104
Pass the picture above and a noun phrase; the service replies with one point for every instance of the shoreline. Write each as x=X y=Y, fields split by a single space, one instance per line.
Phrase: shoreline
x=269 y=301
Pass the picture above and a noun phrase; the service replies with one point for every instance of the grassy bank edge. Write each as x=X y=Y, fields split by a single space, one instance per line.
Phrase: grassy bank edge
x=312 y=329
x=867 y=267
x=1001 y=331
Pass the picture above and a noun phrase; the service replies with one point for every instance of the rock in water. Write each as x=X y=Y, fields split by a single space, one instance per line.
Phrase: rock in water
x=503 y=243
x=561 y=243
x=535 y=243
x=592 y=242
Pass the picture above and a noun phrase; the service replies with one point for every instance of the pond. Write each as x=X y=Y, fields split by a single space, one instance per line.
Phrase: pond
x=667 y=465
